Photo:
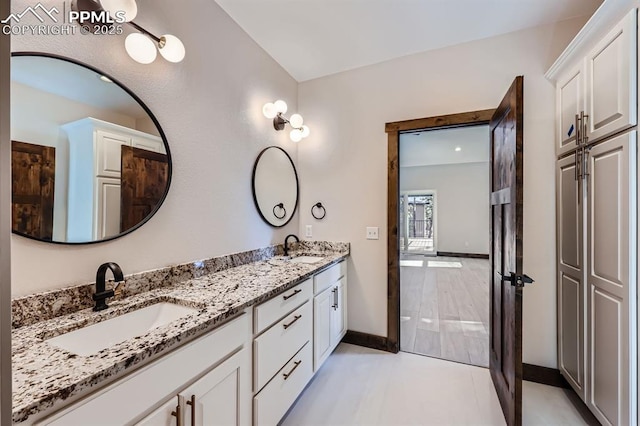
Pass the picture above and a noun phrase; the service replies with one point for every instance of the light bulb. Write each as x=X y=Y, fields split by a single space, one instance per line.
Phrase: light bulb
x=305 y=131
x=129 y=7
x=296 y=121
x=269 y=110
x=141 y=48
x=281 y=106
x=171 y=48
x=295 y=135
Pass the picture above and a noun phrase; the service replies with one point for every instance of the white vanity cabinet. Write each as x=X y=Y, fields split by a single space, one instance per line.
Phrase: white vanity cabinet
x=282 y=356
x=95 y=175
x=215 y=399
x=213 y=371
x=330 y=311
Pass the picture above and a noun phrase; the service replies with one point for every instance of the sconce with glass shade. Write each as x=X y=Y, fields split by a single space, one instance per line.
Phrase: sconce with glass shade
x=142 y=46
x=275 y=111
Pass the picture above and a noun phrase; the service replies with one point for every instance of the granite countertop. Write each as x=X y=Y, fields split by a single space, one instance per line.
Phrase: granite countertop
x=44 y=375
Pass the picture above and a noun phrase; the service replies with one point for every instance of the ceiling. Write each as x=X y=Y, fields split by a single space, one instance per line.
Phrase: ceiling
x=314 y=38
x=438 y=147
x=74 y=82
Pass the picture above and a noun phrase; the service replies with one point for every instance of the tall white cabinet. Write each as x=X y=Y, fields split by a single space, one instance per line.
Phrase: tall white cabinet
x=95 y=175
x=596 y=202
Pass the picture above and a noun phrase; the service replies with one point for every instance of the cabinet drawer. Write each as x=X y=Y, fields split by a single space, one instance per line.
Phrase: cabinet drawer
x=329 y=276
x=279 y=343
x=274 y=309
x=275 y=399
x=143 y=389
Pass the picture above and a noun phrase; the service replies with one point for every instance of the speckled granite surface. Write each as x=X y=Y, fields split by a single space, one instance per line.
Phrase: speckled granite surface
x=44 y=374
x=47 y=305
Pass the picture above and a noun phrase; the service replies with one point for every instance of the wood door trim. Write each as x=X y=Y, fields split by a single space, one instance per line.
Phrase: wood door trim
x=393 y=130
x=441 y=121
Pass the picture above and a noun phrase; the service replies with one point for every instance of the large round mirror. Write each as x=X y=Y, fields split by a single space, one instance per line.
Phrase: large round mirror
x=275 y=186
x=90 y=162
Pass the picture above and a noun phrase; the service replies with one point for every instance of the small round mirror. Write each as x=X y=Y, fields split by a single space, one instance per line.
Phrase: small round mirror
x=275 y=186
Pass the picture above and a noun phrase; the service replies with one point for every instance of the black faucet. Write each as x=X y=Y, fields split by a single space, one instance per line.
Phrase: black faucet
x=286 y=241
x=101 y=294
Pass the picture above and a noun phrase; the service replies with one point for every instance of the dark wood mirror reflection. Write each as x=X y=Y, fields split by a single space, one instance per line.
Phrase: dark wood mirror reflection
x=90 y=161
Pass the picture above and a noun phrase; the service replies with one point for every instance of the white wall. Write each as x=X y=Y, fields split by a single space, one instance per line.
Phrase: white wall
x=462 y=204
x=210 y=107
x=344 y=161
x=49 y=111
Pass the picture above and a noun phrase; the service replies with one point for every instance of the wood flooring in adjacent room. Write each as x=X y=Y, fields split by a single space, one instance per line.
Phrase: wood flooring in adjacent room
x=361 y=386
x=444 y=308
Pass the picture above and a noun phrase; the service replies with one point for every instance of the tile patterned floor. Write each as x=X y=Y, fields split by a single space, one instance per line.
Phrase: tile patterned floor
x=361 y=386
x=444 y=308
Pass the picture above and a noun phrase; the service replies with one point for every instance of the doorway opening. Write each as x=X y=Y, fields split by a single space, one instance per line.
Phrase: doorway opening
x=418 y=226
x=444 y=287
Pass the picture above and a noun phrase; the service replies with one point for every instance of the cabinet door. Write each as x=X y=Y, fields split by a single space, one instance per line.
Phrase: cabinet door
x=571 y=293
x=322 y=327
x=338 y=313
x=107 y=208
x=611 y=280
x=611 y=81
x=570 y=101
x=221 y=397
x=108 y=153
x=165 y=415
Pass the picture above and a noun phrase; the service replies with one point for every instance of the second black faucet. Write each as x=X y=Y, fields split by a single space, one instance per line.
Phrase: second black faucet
x=286 y=243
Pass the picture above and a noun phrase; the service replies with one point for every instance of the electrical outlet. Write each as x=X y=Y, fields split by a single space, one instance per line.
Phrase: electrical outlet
x=308 y=231
x=372 y=233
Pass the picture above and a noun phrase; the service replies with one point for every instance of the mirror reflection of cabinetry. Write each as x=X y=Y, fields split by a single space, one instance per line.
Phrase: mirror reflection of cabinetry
x=95 y=176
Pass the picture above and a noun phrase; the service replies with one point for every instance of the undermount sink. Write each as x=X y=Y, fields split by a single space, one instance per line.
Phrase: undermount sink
x=306 y=259
x=94 y=338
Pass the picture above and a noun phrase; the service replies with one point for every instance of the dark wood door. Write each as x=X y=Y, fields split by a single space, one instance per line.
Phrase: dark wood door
x=505 y=354
x=33 y=169
x=144 y=183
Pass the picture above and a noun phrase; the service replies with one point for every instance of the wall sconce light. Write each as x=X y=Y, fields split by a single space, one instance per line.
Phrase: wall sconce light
x=142 y=46
x=275 y=110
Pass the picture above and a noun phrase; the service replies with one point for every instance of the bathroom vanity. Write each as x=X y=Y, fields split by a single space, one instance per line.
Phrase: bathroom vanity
x=244 y=344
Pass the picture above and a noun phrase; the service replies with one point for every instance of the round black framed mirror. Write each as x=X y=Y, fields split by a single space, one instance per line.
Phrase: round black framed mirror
x=90 y=162
x=275 y=186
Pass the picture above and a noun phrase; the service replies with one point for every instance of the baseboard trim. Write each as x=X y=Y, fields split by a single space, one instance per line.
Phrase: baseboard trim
x=553 y=377
x=467 y=255
x=544 y=375
x=367 y=340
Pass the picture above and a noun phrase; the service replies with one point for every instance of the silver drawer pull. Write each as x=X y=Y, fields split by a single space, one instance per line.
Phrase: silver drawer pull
x=296 y=318
x=285 y=297
x=286 y=375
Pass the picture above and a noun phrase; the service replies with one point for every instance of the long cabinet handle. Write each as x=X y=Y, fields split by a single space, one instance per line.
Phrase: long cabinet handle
x=287 y=375
x=585 y=128
x=287 y=297
x=296 y=318
x=178 y=413
x=578 y=127
x=192 y=403
x=334 y=305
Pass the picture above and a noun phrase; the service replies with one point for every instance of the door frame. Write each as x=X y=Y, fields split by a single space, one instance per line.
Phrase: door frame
x=393 y=130
x=434 y=194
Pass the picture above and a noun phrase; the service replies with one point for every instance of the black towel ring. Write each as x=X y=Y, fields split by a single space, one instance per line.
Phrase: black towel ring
x=318 y=206
x=281 y=207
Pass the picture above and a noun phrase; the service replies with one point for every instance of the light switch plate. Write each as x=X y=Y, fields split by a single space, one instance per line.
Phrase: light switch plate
x=372 y=233
x=308 y=231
